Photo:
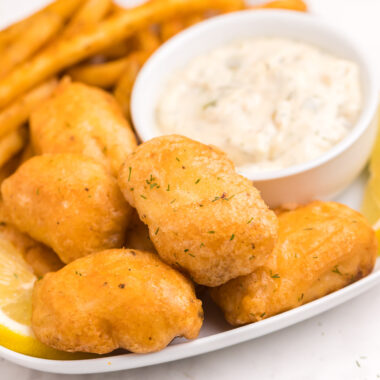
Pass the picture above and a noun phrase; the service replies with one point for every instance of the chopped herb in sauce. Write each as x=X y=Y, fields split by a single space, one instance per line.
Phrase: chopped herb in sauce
x=337 y=271
x=197 y=181
x=129 y=174
x=143 y=196
x=232 y=237
x=213 y=103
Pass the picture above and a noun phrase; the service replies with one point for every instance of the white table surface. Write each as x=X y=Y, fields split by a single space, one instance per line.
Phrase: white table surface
x=343 y=343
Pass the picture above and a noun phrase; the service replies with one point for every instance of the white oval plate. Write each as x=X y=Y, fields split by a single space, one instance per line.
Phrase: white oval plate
x=215 y=333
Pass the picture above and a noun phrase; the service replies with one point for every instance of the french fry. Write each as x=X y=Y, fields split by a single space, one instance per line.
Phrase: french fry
x=295 y=5
x=10 y=33
x=125 y=84
x=172 y=27
x=68 y=51
x=103 y=75
x=119 y=50
x=11 y=144
x=194 y=19
x=148 y=40
x=16 y=29
x=35 y=33
x=116 y=8
x=90 y=13
x=15 y=115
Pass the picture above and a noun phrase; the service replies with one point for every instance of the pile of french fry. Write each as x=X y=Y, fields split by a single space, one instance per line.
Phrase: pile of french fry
x=93 y=41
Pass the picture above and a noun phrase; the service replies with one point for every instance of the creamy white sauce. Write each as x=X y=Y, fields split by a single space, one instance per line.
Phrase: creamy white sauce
x=270 y=102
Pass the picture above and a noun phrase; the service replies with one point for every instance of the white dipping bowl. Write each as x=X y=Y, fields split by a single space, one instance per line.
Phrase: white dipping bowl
x=321 y=178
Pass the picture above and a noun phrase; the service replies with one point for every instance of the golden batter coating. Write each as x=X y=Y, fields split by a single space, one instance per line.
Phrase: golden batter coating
x=41 y=258
x=85 y=120
x=203 y=217
x=321 y=248
x=113 y=299
x=68 y=202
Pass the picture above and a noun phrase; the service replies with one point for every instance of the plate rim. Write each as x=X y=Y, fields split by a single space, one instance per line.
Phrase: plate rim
x=201 y=345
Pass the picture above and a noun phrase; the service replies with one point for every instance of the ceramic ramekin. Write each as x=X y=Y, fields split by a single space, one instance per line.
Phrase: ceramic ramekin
x=321 y=178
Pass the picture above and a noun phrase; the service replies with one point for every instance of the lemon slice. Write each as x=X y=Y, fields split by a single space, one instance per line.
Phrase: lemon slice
x=371 y=200
x=16 y=286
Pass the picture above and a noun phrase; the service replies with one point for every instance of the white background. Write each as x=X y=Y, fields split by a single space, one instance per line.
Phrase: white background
x=343 y=343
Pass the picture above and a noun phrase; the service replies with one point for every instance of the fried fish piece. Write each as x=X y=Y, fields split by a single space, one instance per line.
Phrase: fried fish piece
x=203 y=217
x=85 y=120
x=41 y=258
x=68 y=202
x=140 y=304
x=321 y=248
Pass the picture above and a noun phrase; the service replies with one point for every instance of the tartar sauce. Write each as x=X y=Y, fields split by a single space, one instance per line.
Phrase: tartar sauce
x=270 y=102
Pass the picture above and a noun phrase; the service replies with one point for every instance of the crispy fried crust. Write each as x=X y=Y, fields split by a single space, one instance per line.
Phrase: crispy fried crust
x=203 y=217
x=116 y=298
x=68 y=202
x=322 y=247
x=85 y=120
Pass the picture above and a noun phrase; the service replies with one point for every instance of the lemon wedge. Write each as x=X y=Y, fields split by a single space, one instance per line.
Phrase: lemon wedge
x=16 y=286
x=371 y=201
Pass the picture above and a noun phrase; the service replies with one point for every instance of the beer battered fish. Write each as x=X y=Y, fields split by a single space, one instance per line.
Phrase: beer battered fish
x=82 y=119
x=115 y=299
x=68 y=202
x=41 y=258
x=203 y=217
x=321 y=248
